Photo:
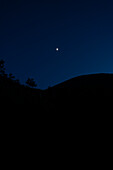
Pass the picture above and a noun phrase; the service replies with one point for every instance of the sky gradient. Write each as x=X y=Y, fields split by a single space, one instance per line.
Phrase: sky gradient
x=31 y=30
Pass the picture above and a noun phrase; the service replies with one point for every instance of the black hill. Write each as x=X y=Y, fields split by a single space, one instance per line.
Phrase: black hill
x=85 y=90
x=86 y=86
x=82 y=104
x=92 y=87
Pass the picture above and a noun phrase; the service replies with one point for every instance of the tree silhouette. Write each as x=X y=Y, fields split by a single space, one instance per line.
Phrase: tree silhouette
x=11 y=76
x=31 y=82
x=2 y=68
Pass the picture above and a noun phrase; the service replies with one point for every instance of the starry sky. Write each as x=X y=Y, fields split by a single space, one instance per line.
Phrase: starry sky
x=31 y=30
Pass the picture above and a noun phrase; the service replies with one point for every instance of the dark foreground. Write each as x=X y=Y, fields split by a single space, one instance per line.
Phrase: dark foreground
x=68 y=124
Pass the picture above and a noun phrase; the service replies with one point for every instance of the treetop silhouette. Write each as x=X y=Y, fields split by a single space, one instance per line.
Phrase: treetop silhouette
x=2 y=68
x=31 y=82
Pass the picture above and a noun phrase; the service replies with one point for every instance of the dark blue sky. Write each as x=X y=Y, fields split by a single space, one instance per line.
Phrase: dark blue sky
x=31 y=30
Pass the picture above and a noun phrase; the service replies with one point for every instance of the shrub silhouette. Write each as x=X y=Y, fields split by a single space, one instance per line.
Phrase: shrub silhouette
x=31 y=82
x=2 y=68
x=11 y=76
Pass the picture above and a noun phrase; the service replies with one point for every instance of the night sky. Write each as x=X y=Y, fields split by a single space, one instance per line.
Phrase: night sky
x=31 y=30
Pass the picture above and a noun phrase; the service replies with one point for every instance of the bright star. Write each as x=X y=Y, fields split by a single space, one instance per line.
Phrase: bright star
x=57 y=49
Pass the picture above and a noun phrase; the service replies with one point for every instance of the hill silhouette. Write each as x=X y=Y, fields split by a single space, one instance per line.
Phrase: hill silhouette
x=87 y=85
x=81 y=107
x=92 y=87
x=12 y=92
